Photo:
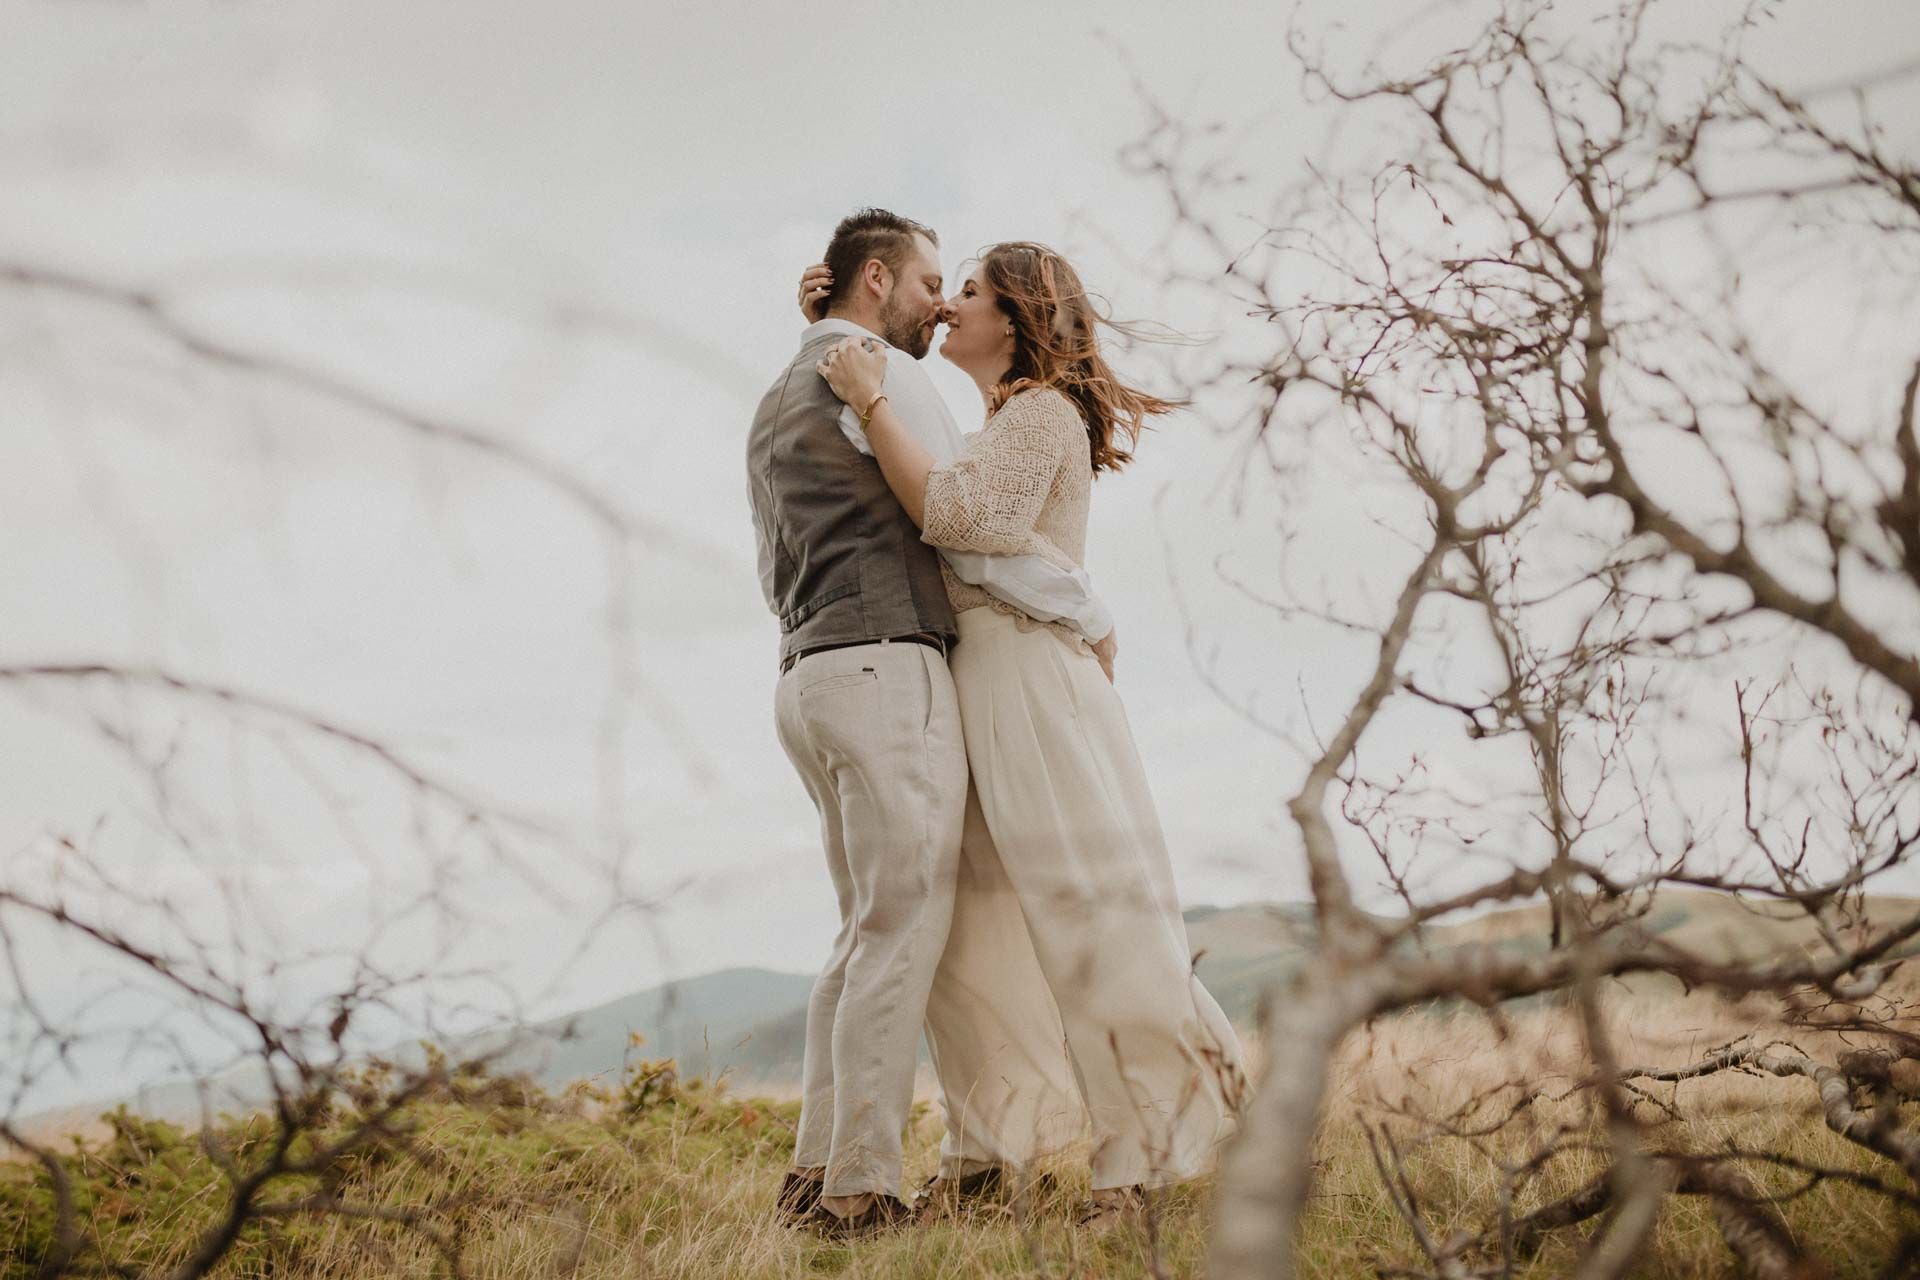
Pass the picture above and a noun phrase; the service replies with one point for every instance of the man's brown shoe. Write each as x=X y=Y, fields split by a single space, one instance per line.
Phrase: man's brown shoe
x=799 y=1197
x=884 y=1214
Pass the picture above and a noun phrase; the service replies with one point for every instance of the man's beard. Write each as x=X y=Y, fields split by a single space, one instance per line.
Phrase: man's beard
x=901 y=329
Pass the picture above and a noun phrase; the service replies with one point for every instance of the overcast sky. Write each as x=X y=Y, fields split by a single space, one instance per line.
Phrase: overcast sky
x=578 y=228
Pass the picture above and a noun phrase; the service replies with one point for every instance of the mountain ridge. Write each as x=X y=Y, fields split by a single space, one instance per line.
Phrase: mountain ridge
x=748 y=1024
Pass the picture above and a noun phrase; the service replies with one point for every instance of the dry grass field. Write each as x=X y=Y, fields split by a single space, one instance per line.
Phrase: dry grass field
x=677 y=1179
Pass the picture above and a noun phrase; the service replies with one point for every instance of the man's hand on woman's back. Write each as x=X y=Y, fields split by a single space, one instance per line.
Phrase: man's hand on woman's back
x=1107 y=650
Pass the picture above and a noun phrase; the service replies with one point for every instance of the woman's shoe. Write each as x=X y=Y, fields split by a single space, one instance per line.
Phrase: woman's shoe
x=1113 y=1207
x=943 y=1195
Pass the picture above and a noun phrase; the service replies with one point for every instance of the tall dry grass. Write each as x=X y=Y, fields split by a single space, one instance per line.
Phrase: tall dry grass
x=682 y=1186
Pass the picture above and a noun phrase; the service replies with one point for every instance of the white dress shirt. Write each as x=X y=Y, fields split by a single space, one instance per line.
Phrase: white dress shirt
x=1032 y=584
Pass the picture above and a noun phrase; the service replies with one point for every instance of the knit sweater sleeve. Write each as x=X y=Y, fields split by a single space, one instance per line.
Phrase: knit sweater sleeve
x=989 y=499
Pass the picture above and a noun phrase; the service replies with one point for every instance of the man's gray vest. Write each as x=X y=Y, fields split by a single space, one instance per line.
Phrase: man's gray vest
x=840 y=560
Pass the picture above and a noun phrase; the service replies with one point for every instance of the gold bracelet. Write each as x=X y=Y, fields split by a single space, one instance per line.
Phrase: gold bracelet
x=872 y=404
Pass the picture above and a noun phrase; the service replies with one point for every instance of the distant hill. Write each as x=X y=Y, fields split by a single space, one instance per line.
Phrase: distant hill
x=1242 y=950
x=751 y=1023
x=726 y=1020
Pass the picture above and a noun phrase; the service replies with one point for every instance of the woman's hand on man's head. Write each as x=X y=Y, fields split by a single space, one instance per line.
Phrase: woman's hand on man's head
x=816 y=282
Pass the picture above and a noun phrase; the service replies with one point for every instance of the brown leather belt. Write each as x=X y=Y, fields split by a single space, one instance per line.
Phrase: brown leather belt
x=927 y=638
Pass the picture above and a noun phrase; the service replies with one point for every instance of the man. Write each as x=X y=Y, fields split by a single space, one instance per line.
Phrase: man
x=866 y=710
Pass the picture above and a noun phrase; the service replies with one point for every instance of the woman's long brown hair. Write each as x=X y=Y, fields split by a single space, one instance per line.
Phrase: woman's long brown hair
x=1054 y=345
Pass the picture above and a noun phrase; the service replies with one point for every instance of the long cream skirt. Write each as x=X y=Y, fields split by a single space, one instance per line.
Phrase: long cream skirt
x=1066 y=993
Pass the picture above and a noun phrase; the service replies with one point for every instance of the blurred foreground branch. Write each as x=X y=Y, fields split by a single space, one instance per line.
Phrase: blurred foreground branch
x=1654 y=573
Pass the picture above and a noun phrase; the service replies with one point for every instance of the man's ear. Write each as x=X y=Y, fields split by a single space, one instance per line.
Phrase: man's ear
x=874 y=274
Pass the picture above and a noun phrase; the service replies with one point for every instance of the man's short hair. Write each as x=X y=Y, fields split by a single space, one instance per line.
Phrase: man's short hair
x=866 y=234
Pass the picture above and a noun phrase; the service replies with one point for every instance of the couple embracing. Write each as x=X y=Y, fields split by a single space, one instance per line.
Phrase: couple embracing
x=946 y=696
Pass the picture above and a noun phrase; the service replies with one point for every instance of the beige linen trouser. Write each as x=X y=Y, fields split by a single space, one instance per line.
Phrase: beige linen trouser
x=1066 y=927
x=874 y=731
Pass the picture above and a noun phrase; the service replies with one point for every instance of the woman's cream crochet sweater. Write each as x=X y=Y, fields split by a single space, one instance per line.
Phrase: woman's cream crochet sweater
x=1022 y=487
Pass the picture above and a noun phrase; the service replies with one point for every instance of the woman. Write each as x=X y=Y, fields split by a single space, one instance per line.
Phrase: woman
x=1081 y=906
